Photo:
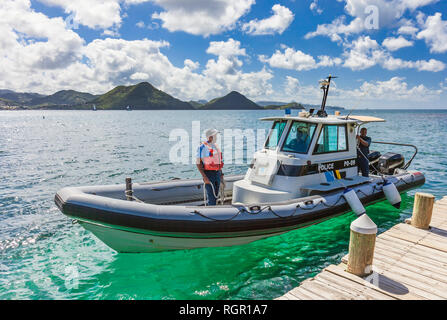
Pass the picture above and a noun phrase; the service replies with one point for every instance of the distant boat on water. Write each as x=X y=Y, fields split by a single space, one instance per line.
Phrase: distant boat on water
x=128 y=108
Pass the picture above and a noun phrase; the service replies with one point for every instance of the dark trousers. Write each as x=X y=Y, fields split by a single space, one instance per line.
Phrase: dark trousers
x=214 y=177
x=363 y=165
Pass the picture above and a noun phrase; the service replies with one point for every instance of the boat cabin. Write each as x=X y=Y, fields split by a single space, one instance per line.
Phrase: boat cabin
x=303 y=155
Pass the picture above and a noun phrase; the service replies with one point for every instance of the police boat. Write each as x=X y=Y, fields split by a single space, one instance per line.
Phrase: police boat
x=306 y=173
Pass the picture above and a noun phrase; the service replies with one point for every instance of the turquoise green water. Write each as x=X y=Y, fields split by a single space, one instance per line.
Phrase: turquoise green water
x=44 y=256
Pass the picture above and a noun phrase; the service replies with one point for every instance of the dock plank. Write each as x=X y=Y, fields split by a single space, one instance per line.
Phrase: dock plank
x=415 y=259
x=384 y=285
x=310 y=293
x=325 y=291
x=382 y=263
x=348 y=285
x=416 y=284
x=411 y=248
x=299 y=294
x=409 y=263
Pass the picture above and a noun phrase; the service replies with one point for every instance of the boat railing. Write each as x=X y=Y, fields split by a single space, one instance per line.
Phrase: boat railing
x=405 y=145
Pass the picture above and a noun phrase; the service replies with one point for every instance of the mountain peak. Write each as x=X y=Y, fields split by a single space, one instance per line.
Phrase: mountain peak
x=232 y=101
x=145 y=84
x=142 y=96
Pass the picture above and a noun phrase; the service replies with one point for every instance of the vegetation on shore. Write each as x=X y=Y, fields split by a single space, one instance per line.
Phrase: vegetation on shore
x=142 y=96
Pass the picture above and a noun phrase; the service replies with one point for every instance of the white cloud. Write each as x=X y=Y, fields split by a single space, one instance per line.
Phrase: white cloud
x=365 y=53
x=443 y=84
x=140 y=76
x=113 y=32
x=290 y=59
x=292 y=86
x=227 y=48
x=327 y=61
x=395 y=89
x=361 y=54
x=201 y=17
x=314 y=7
x=393 y=92
x=297 y=60
x=431 y=65
x=434 y=32
x=151 y=26
x=280 y=20
x=226 y=74
x=394 y=44
x=389 y=13
x=96 y=14
x=115 y=61
x=32 y=40
x=191 y=65
x=40 y=54
x=407 y=30
x=337 y=28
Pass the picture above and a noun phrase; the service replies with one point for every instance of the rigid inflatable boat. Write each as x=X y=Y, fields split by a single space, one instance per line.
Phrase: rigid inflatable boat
x=306 y=173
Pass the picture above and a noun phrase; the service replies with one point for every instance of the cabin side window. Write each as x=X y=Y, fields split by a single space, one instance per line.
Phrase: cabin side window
x=275 y=134
x=332 y=139
x=299 y=137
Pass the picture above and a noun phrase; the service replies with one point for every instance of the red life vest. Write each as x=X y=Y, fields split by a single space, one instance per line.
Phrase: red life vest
x=214 y=160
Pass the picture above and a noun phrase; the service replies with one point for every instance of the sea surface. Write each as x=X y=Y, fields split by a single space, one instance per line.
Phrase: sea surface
x=43 y=255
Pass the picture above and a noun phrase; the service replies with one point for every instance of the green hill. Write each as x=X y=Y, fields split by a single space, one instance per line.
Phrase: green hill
x=292 y=105
x=142 y=96
x=63 y=98
x=18 y=98
x=6 y=102
x=232 y=101
x=195 y=104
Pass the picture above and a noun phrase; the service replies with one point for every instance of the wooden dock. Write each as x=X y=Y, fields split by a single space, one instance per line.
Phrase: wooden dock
x=409 y=263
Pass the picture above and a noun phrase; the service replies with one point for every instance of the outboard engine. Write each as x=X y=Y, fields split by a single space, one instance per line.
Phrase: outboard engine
x=390 y=161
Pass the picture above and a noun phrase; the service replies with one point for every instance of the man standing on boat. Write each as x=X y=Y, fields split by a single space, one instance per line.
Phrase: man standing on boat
x=363 y=151
x=209 y=162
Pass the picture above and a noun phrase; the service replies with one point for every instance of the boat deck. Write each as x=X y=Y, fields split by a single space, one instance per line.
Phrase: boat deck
x=409 y=263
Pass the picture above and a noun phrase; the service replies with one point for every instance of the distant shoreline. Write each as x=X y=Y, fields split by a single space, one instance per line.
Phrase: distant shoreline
x=345 y=110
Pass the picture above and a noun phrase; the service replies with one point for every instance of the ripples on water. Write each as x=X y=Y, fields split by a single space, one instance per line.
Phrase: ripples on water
x=44 y=256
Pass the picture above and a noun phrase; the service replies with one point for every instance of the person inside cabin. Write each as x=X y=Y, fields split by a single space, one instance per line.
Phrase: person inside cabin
x=300 y=142
x=363 y=151
x=210 y=163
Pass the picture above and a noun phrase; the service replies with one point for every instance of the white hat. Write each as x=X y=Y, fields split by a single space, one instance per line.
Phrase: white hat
x=211 y=132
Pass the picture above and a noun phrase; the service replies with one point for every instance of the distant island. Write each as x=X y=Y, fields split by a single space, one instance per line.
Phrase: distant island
x=142 y=96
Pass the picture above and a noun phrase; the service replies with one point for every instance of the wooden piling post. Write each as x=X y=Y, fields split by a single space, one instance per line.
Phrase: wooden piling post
x=422 y=210
x=361 y=246
x=129 y=192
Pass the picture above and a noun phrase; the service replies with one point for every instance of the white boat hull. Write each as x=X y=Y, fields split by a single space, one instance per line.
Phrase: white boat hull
x=133 y=242
x=131 y=226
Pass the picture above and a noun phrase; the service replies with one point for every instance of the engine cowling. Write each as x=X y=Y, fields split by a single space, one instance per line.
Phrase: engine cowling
x=390 y=161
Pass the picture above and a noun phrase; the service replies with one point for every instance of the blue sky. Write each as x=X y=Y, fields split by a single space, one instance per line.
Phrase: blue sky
x=387 y=53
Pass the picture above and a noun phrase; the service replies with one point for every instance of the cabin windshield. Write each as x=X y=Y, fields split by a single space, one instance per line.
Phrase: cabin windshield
x=299 y=137
x=275 y=134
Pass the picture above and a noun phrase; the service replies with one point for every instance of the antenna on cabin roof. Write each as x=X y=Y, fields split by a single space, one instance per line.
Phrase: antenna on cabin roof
x=325 y=87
